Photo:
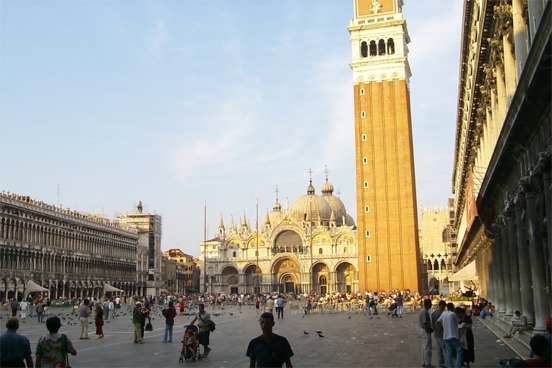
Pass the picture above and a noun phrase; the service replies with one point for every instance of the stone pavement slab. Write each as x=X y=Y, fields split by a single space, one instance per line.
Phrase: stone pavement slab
x=351 y=340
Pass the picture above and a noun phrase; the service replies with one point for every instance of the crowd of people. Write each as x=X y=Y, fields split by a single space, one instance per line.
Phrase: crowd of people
x=448 y=325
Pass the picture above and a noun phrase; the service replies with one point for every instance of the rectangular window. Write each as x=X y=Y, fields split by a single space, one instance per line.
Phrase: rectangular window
x=368 y=259
x=367 y=233
x=365 y=160
x=365 y=184
x=366 y=209
x=364 y=137
x=362 y=114
x=362 y=91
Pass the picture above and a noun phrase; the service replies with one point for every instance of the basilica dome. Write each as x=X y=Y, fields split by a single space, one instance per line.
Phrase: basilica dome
x=276 y=216
x=309 y=204
x=336 y=205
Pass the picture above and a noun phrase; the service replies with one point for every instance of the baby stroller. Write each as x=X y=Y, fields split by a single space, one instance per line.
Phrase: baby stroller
x=392 y=310
x=190 y=346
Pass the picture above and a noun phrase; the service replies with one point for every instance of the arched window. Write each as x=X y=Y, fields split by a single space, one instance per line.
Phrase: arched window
x=390 y=46
x=381 y=47
x=320 y=251
x=429 y=263
x=233 y=254
x=436 y=265
x=443 y=265
x=344 y=249
x=363 y=49
x=373 y=51
x=322 y=280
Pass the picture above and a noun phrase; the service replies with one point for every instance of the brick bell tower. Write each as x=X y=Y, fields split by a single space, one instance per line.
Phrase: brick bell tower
x=388 y=248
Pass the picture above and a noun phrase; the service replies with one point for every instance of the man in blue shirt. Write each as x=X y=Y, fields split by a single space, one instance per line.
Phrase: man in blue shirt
x=15 y=349
x=269 y=349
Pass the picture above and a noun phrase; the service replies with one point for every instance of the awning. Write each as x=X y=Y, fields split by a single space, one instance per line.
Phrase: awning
x=107 y=287
x=33 y=287
x=467 y=273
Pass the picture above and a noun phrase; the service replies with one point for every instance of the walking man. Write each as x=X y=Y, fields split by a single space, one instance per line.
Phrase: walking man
x=269 y=349
x=84 y=312
x=15 y=349
x=426 y=330
x=204 y=320
x=280 y=302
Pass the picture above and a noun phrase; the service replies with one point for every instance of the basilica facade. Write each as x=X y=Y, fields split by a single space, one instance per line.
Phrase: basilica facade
x=310 y=247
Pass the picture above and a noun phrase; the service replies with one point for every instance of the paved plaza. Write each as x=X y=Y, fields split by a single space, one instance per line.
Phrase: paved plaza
x=350 y=340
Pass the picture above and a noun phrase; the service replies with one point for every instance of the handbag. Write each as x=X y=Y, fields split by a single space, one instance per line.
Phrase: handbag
x=148 y=326
x=210 y=324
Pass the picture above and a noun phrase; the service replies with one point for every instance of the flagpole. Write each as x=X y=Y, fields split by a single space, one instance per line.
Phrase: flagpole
x=205 y=248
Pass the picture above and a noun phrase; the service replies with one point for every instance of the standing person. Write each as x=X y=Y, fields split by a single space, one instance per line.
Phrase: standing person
x=169 y=314
x=257 y=305
x=31 y=307
x=39 y=310
x=280 y=302
x=467 y=337
x=426 y=330
x=106 y=309
x=438 y=334
x=375 y=301
x=138 y=318
x=23 y=307
x=145 y=310
x=270 y=305
x=84 y=312
x=99 y=321
x=14 y=306
x=449 y=322
x=203 y=319
x=15 y=349
x=52 y=349
x=269 y=349
x=399 y=300
x=111 y=307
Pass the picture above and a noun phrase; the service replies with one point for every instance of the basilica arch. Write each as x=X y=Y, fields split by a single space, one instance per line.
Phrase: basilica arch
x=346 y=277
x=286 y=274
x=321 y=278
x=229 y=279
x=252 y=277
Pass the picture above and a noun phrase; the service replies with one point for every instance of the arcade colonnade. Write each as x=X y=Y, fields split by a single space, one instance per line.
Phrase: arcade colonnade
x=69 y=253
x=502 y=173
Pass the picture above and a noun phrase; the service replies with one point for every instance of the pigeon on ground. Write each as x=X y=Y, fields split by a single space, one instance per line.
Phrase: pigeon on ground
x=320 y=335
x=318 y=331
x=305 y=332
x=349 y=317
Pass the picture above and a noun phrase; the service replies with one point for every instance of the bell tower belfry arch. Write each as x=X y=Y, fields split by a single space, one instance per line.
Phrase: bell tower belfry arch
x=387 y=221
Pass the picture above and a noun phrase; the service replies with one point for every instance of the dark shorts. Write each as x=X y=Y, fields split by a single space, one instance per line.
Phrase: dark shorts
x=203 y=337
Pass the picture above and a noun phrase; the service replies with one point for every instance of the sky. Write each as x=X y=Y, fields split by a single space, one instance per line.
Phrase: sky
x=204 y=106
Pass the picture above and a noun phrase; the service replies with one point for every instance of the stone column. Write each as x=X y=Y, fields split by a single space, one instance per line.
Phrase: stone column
x=527 y=304
x=514 y=260
x=506 y=269
x=497 y=260
x=520 y=36
x=537 y=264
x=535 y=14
x=545 y=166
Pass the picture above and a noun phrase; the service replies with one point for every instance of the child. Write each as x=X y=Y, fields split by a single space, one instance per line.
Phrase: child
x=190 y=342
